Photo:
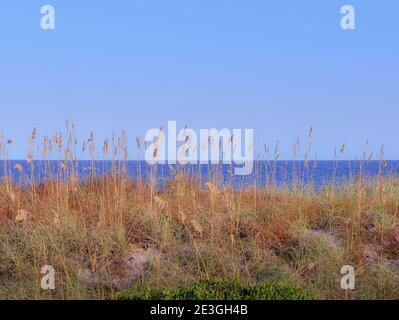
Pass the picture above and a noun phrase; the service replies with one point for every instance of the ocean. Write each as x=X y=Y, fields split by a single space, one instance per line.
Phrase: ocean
x=275 y=173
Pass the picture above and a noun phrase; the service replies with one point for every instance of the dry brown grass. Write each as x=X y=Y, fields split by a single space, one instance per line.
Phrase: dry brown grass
x=85 y=229
x=201 y=232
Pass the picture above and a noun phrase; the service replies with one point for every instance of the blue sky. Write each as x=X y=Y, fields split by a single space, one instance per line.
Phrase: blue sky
x=278 y=67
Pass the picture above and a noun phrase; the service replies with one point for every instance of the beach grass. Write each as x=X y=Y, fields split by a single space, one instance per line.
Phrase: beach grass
x=107 y=234
x=197 y=232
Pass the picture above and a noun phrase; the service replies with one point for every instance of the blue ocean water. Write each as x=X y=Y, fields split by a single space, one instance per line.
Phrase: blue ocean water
x=275 y=173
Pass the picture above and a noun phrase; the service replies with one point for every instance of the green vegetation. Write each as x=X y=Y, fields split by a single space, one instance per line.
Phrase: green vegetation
x=219 y=290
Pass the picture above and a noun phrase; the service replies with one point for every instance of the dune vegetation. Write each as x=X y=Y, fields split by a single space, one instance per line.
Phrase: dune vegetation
x=105 y=235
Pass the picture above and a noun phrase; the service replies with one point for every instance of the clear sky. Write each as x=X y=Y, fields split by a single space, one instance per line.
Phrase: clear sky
x=278 y=67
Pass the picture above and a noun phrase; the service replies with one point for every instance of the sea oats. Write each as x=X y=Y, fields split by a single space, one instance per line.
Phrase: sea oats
x=197 y=226
x=22 y=215
x=34 y=134
x=18 y=167
x=342 y=150
x=106 y=146
x=30 y=157
x=138 y=142
x=162 y=204
x=182 y=217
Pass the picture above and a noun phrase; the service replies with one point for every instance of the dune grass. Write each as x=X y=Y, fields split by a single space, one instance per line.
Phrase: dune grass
x=196 y=233
x=249 y=235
